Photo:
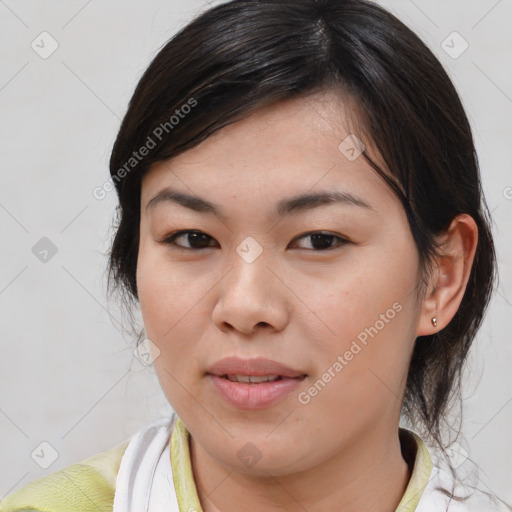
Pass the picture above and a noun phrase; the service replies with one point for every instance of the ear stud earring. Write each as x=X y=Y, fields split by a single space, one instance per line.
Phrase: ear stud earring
x=434 y=321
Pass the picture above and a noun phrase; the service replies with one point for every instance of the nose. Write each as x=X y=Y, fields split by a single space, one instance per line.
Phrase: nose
x=251 y=297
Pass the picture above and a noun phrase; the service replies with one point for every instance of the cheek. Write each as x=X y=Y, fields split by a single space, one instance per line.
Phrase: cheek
x=162 y=297
x=172 y=299
x=366 y=287
x=167 y=313
x=164 y=288
x=157 y=293
x=368 y=312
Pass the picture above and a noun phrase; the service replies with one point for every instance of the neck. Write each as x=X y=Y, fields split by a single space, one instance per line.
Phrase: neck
x=371 y=475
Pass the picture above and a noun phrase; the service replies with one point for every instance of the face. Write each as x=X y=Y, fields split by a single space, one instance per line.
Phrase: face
x=327 y=289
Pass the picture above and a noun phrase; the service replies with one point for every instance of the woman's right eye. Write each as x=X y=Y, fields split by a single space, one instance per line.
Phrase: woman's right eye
x=196 y=239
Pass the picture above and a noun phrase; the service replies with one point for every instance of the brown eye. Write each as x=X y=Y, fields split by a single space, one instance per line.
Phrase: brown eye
x=196 y=240
x=324 y=241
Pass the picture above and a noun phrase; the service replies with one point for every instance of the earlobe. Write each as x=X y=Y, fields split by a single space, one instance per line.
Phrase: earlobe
x=449 y=280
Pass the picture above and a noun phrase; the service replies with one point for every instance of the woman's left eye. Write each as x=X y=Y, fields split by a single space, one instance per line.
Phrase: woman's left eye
x=198 y=240
x=323 y=241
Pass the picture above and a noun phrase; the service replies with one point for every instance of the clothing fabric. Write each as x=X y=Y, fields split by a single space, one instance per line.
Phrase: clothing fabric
x=86 y=486
x=152 y=472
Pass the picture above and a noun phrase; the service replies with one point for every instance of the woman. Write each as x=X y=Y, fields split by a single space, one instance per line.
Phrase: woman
x=302 y=223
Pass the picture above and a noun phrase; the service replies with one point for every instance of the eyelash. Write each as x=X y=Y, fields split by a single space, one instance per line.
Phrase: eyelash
x=171 y=238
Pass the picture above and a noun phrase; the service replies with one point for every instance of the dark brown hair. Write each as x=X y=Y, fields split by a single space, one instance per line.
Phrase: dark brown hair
x=245 y=54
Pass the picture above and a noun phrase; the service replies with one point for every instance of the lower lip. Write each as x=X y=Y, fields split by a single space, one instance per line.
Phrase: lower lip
x=245 y=395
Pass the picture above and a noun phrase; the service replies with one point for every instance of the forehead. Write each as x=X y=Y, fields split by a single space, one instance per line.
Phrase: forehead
x=280 y=150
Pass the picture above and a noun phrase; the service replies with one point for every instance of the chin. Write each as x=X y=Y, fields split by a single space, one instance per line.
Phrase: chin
x=262 y=457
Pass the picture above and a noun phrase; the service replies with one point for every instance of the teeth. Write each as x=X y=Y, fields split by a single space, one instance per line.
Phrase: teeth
x=252 y=378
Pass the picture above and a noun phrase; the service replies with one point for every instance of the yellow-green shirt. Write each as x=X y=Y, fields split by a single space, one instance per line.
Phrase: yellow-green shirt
x=90 y=485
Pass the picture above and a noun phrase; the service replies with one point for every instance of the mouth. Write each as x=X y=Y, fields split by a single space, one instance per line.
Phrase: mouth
x=247 y=370
x=258 y=379
x=252 y=392
x=253 y=383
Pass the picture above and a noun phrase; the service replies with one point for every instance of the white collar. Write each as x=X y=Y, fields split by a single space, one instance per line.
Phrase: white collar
x=145 y=482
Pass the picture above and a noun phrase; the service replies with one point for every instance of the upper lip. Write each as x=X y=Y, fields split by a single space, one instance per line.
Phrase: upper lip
x=254 y=367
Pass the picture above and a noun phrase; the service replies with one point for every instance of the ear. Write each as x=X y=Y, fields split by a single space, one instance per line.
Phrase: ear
x=449 y=281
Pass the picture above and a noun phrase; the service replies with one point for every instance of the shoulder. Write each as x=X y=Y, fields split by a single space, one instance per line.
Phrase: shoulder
x=86 y=485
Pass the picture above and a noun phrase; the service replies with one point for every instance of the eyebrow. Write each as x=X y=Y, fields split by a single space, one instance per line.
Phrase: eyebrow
x=294 y=204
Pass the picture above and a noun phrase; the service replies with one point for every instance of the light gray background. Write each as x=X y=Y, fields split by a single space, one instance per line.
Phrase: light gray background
x=67 y=375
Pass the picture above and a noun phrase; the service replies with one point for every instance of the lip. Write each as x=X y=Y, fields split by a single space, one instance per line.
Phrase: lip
x=256 y=367
x=244 y=395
